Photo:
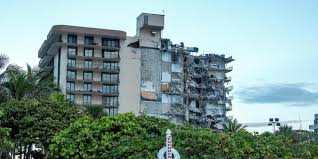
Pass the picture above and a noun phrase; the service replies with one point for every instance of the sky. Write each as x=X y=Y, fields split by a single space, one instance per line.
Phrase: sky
x=274 y=43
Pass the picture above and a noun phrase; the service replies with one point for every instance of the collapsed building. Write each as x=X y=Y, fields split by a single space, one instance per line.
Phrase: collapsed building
x=144 y=74
x=183 y=87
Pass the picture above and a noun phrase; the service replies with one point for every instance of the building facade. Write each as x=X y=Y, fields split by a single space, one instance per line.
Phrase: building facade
x=144 y=74
x=314 y=127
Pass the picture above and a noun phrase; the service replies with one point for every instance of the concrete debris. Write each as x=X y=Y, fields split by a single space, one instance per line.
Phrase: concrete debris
x=149 y=95
x=192 y=86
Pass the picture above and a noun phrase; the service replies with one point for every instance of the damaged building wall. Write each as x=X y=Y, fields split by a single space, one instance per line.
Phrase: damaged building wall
x=205 y=89
x=177 y=85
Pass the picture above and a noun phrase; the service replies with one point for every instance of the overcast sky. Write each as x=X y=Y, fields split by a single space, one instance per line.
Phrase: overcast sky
x=275 y=43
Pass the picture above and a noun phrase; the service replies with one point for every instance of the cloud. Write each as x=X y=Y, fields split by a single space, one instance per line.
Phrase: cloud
x=289 y=94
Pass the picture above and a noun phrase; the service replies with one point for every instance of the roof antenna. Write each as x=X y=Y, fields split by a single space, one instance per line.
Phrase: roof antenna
x=163 y=12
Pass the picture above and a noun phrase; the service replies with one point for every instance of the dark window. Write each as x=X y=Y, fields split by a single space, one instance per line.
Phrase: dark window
x=87 y=75
x=110 y=88
x=88 y=64
x=71 y=74
x=110 y=42
x=197 y=104
x=110 y=101
x=89 y=40
x=72 y=39
x=111 y=66
x=87 y=99
x=89 y=52
x=71 y=62
x=70 y=97
x=70 y=86
x=110 y=77
x=87 y=87
x=111 y=111
x=110 y=54
x=72 y=51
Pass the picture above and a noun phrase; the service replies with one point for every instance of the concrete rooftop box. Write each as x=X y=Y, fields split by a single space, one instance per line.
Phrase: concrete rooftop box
x=150 y=21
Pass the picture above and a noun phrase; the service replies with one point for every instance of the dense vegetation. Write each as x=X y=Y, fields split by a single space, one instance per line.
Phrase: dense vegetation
x=35 y=121
x=127 y=136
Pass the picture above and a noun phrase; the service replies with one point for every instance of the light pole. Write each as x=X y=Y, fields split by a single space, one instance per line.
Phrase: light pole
x=274 y=122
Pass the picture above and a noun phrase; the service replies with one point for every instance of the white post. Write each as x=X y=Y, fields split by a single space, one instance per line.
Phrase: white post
x=170 y=152
x=169 y=144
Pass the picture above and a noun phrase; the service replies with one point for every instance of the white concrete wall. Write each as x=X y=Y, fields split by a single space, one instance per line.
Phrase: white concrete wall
x=129 y=87
x=148 y=40
x=63 y=69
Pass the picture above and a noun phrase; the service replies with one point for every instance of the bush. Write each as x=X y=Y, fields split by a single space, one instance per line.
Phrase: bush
x=127 y=136
x=36 y=121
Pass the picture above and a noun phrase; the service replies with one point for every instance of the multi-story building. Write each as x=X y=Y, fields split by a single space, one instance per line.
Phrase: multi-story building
x=314 y=127
x=144 y=74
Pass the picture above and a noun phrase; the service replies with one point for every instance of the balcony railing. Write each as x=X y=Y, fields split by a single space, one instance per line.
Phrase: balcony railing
x=93 y=92
x=93 y=66
x=229 y=69
x=229 y=88
x=227 y=78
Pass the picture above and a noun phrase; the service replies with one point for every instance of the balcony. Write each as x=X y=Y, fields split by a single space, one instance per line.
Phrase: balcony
x=110 y=105
x=229 y=88
x=228 y=107
x=106 y=59
x=94 y=67
x=227 y=78
x=228 y=69
x=229 y=59
x=80 y=80
x=93 y=92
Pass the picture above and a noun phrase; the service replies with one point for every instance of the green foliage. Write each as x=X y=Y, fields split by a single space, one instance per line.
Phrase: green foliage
x=232 y=125
x=24 y=84
x=127 y=136
x=36 y=121
x=95 y=111
x=4 y=136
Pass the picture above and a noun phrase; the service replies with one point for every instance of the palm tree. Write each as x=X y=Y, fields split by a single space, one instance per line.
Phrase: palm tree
x=285 y=130
x=3 y=62
x=232 y=125
x=30 y=83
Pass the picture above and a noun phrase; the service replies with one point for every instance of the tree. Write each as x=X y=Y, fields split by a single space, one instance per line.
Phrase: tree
x=36 y=121
x=5 y=142
x=232 y=125
x=128 y=136
x=30 y=83
x=3 y=92
x=95 y=111
x=285 y=130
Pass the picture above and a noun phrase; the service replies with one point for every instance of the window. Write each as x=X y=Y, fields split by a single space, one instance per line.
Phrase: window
x=71 y=74
x=89 y=40
x=72 y=39
x=72 y=51
x=88 y=75
x=110 y=101
x=87 y=87
x=88 y=63
x=110 y=77
x=110 y=88
x=110 y=54
x=88 y=52
x=111 y=66
x=87 y=99
x=70 y=86
x=70 y=97
x=110 y=42
x=71 y=62
x=111 y=111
